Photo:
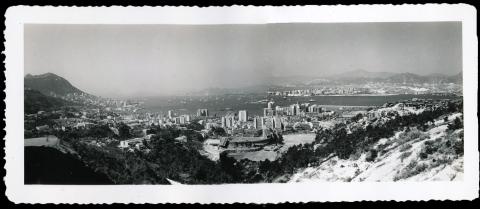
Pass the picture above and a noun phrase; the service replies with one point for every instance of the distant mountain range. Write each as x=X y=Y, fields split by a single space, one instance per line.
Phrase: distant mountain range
x=360 y=73
x=50 y=84
x=363 y=76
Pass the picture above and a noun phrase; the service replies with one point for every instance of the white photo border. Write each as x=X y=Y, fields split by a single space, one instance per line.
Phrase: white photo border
x=17 y=192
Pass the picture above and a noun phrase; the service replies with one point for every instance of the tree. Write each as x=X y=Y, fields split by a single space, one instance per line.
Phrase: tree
x=280 y=139
x=357 y=117
x=194 y=125
x=100 y=131
x=218 y=131
x=457 y=124
x=124 y=131
x=230 y=166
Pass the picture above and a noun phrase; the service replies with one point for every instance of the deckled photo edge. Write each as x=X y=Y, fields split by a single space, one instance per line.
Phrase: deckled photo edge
x=18 y=192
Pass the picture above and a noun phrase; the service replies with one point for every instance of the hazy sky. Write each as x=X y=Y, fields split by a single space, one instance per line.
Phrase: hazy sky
x=113 y=60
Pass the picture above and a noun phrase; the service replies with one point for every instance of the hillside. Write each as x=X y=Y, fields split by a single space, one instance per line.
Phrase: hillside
x=45 y=165
x=50 y=84
x=35 y=101
x=457 y=78
x=363 y=76
x=360 y=73
x=435 y=154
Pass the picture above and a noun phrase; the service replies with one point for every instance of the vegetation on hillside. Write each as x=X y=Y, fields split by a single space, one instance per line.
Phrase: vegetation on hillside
x=49 y=83
x=45 y=165
x=180 y=161
x=35 y=101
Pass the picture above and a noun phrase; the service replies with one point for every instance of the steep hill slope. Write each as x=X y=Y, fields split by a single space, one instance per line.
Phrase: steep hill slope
x=50 y=84
x=35 y=101
x=411 y=155
x=46 y=165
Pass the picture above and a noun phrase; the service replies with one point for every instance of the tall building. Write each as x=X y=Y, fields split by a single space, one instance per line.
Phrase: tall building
x=264 y=122
x=224 y=122
x=183 y=119
x=202 y=112
x=257 y=123
x=229 y=122
x=278 y=110
x=295 y=109
x=242 y=115
x=268 y=112
x=275 y=122
x=170 y=114
x=315 y=108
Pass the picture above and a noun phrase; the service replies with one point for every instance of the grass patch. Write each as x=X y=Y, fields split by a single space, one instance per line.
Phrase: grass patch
x=413 y=135
x=405 y=147
x=412 y=169
x=405 y=155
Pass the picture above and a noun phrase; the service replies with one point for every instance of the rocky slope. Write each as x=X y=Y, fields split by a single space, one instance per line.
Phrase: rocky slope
x=411 y=155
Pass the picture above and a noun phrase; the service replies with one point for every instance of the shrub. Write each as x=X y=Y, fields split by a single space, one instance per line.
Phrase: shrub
x=428 y=148
x=458 y=147
x=412 y=169
x=405 y=147
x=356 y=155
x=457 y=124
x=371 y=155
x=423 y=155
x=412 y=135
x=405 y=155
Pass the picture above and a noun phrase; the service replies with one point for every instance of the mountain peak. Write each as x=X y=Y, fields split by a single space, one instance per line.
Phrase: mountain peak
x=50 y=84
x=44 y=75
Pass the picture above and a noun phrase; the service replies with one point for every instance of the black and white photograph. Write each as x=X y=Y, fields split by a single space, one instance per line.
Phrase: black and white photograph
x=275 y=103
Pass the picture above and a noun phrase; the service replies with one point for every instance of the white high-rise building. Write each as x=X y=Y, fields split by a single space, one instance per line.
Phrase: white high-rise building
x=170 y=114
x=275 y=122
x=257 y=123
x=242 y=115
x=229 y=122
x=263 y=122
x=295 y=109
x=184 y=119
x=224 y=122
x=202 y=112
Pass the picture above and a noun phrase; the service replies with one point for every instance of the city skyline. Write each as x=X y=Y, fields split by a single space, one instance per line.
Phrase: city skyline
x=151 y=60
